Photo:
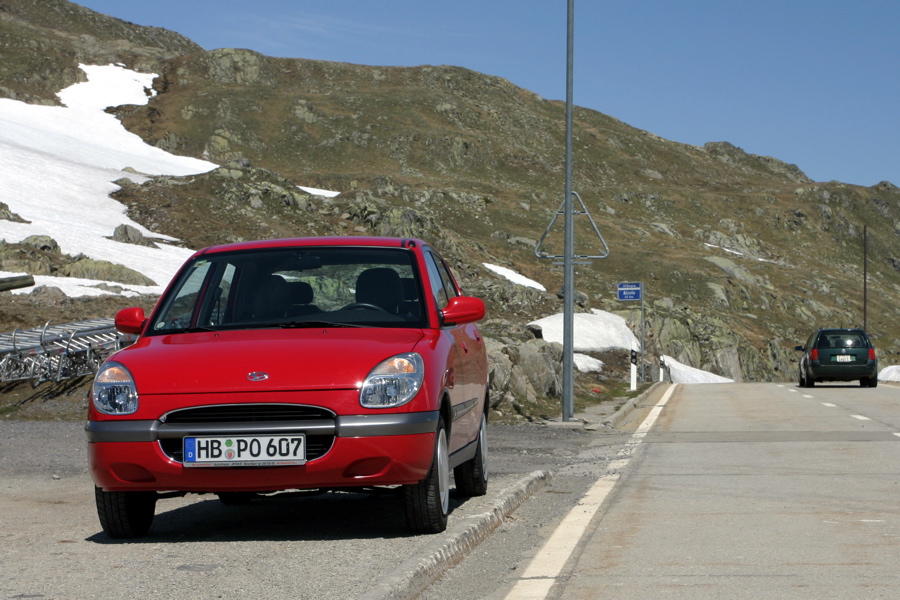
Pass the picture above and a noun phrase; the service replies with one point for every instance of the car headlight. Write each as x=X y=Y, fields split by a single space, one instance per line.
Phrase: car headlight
x=114 y=392
x=394 y=382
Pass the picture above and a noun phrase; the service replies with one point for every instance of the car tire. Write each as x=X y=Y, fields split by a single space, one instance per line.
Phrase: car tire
x=802 y=382
x=873 y=382
x=125 y=514
x=427 y=503
x=472 y=476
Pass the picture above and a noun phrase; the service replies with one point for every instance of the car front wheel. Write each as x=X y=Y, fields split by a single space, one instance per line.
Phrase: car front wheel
x=472 y=476
x=427 y=503
x=125 y=514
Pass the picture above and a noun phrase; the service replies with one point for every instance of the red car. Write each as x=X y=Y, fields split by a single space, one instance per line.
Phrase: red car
x=295 y=364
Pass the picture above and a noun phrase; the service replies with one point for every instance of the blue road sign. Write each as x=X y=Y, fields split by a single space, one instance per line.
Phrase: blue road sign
x=630 y=291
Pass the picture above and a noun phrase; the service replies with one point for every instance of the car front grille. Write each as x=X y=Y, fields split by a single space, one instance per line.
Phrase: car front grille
x=247 y=413
x=317 y=443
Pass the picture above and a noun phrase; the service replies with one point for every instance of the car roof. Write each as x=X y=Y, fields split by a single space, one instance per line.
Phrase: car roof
x=345 y=241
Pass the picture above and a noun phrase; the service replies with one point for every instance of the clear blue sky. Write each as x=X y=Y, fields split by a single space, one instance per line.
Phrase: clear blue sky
x=811 y=82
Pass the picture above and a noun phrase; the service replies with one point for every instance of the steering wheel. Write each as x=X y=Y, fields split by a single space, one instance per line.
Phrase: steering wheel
x=358 y=305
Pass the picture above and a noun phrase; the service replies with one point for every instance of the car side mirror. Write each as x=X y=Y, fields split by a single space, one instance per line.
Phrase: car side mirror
x=131 y=320
x=461 y=310
x=798 y=348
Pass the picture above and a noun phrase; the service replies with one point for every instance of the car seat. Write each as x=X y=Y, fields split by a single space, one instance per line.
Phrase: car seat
x=380 y=286
x=301 y=294
x=271 y=299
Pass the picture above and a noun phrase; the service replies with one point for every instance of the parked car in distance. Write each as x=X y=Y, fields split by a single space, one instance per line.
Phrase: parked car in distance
x=838 y=355
x=295 y=364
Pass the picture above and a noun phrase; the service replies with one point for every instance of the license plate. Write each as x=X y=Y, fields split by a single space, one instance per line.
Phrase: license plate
x=844 y=358
x=245 y=451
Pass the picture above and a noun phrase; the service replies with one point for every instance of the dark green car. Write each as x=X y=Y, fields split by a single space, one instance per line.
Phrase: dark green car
x=838 y=355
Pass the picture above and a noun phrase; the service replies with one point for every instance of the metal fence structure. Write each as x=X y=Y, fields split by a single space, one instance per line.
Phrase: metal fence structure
x=59 y=352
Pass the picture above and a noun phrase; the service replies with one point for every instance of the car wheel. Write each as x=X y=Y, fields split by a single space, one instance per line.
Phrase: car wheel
x=125 y=514
x=472 y=476
x=810 y=382
x=802 y=382
x=873 y=382
x=428 y=502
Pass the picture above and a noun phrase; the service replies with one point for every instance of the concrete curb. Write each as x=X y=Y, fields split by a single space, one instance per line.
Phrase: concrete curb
x=621 y=415
x=449 y=548
x=592 y=421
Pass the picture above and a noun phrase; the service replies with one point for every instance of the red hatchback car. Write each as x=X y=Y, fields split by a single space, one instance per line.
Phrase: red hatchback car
x=295 y=364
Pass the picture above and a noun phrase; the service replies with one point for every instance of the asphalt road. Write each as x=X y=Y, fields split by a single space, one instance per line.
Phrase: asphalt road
x=333 y=545
x=753 y=491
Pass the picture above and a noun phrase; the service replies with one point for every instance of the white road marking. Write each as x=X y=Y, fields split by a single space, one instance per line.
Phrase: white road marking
x=829 y=405
x=545 y=567
x=861 y=418
x=808 y=396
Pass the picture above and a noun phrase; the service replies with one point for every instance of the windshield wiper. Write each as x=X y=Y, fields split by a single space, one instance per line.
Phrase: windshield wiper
x=185 y=330
x=305 y=324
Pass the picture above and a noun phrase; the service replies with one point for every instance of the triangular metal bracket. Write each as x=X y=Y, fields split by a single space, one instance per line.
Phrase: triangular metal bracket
x=604 y=252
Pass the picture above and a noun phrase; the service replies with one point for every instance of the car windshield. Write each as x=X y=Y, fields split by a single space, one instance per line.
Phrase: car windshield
x=294 y=287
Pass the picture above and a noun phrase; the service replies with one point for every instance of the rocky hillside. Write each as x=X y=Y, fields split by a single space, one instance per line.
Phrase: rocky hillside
x=741 y=255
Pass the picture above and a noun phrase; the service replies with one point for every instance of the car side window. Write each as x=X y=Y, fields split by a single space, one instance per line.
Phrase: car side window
x=447 y=279
x=437 y=285
x=180 y=309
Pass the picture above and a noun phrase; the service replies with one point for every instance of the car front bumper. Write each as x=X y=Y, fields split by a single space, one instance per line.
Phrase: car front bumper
x=360 y=450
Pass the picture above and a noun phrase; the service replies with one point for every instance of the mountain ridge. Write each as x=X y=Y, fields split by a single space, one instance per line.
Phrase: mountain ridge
x=741 y=255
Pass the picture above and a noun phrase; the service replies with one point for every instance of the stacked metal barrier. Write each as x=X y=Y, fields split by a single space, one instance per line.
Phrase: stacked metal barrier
x=58 y=352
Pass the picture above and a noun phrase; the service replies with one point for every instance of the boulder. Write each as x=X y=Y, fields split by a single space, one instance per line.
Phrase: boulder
x=88 y=268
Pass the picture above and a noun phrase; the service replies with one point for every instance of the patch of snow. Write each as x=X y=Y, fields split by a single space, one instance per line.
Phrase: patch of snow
x=891 y=373
x=708 y=245
x=681 y=373
x=597 y=331
x=319 y=192
x=600 y=331
x=57 y=165
x=587 y=364
x=765 y=260
x=514 y=277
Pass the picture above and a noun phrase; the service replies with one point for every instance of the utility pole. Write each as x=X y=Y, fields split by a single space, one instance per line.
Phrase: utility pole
x=568 y=211
x=569 y=251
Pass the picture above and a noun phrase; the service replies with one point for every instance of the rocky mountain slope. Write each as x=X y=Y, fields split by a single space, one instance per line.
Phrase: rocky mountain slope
x=741 y=256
